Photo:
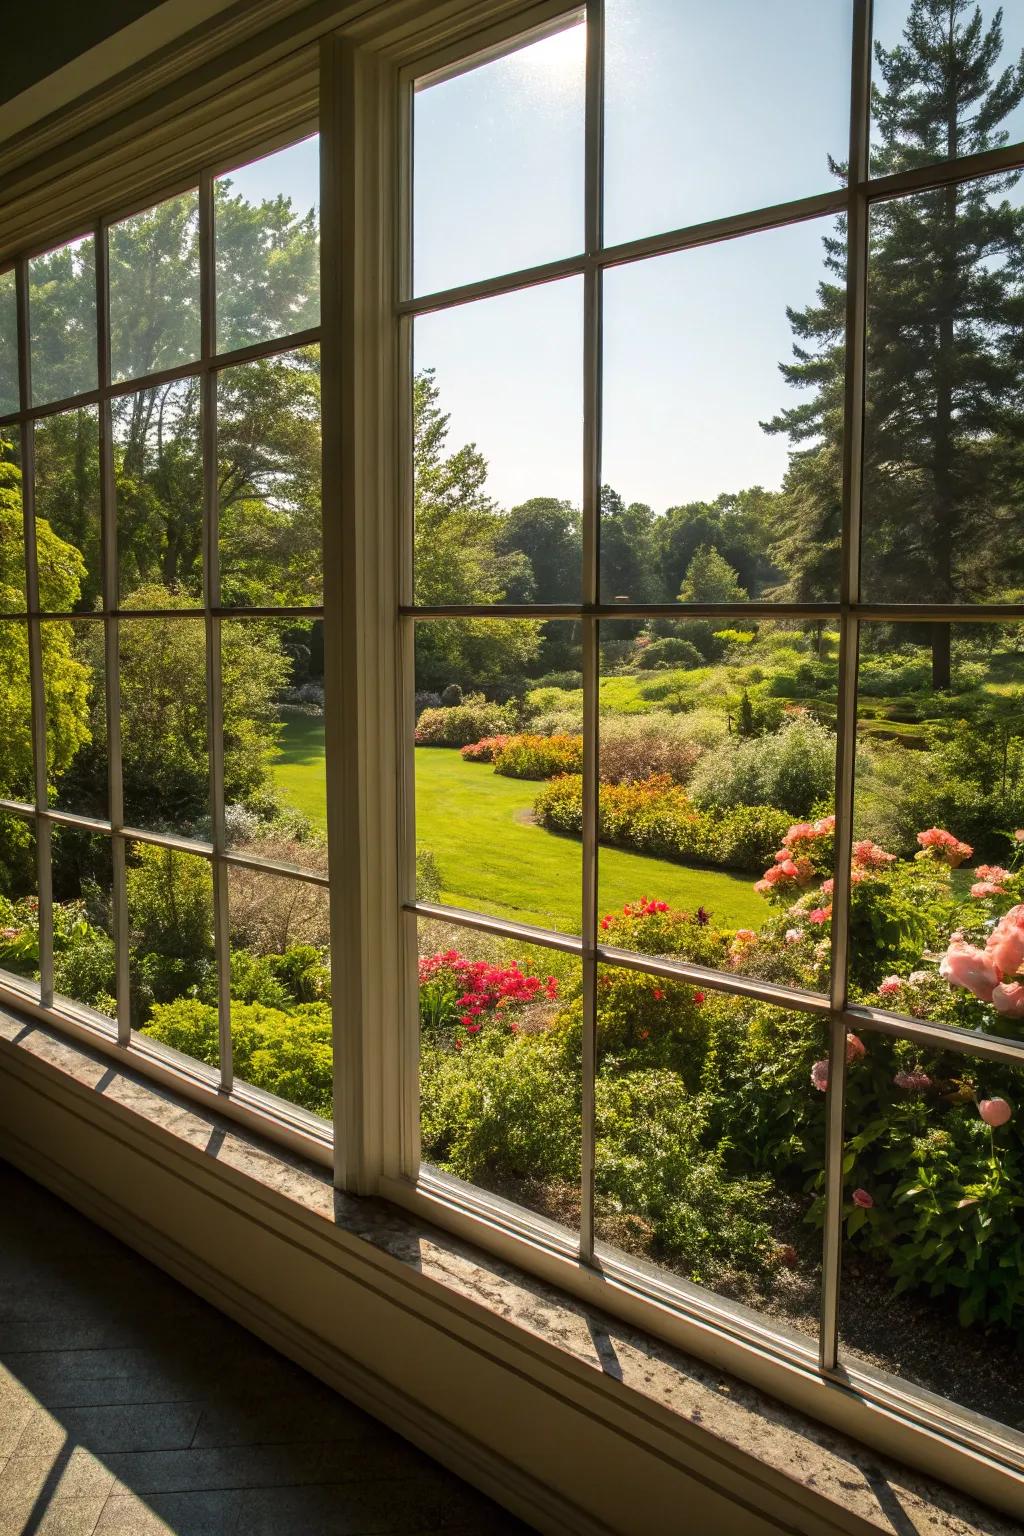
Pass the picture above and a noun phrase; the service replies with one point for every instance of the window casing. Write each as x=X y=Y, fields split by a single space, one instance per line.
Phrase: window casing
x=369 y=313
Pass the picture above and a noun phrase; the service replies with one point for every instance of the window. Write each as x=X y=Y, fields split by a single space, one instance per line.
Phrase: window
x=665 y=573
x=163 y=867
x=717 y=746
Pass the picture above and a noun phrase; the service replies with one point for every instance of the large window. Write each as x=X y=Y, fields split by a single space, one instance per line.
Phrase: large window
x=163 y=863
x=665 y=569
x=715 y=603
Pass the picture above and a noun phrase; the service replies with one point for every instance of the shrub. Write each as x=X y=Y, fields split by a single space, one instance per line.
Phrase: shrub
x=635 y=746
x=288 y=1054
x=451 y=696
x=669 y=652
x=571 y=681
x=270 y=913
x=464 y=723
x=539 y=757
x=656 y=816
x=792 y=769
x=483 y=751
x=428 y=878
x=425 y=699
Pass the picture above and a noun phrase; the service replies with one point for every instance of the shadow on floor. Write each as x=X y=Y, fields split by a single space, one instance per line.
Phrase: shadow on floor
x=128 y=1405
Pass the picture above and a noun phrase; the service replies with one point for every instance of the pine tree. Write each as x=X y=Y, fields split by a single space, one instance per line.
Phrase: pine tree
x=943 y=428
x=710 y=579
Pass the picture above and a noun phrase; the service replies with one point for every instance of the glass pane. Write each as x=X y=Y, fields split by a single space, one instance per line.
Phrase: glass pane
x=9 y=396
x=500 y=1052
x=281 y=987
x=163 y=725
x=723 y=414
x=710 y=1139
x=267 y=224
x=275 y=781
x=154 y=288
x=498 y=164
x=17 y=775
x=67 y=508
x=19 y=898
x=84 y=967
x=717 y=765
x=172 y=966
x=939 y=817
x=12 y=526
x=76 y=716
x=929 y=57
x=498 y=449
x=62 y=321
x=699 y=118
x=158 y=485
x=268 y=479
x=941 y=519
x=932 y=1248
x=479 y=841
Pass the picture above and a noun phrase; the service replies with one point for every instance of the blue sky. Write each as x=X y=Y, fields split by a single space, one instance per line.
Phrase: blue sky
x=711 y=109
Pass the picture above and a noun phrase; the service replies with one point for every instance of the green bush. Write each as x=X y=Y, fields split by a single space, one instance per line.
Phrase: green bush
x=657 y=817
x=669 y=652
x=539 y=757
x=792 y=769
x=462 y=724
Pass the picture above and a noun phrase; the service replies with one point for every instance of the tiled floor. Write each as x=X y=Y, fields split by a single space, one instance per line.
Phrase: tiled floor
x=127 y=1405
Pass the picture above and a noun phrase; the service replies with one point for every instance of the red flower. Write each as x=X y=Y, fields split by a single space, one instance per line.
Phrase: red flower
x=698 y=998
x=658 y=995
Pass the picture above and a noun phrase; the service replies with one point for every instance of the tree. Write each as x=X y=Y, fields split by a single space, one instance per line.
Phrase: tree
x=629 y=554
x=943 y=426
x=710 y=579
x=457 y=559
x=740 y=525
x=548 y=533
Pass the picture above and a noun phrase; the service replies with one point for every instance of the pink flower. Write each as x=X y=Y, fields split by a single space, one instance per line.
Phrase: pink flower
x=1008 y=999
x=763 y=887
x=854 y=1048
x=964 y=965
x=863 y=1199
x=793 y=935
x=819 y=1075
x=944 y=846
x=993 y=872
x=745 y=936
x=912 y=1082
x=1005 y=943
x=823 y=827
x=982 y=888
x=994 y=1111
x=868 y=855
x=889 y=986
x=827 y=887
x=820 y=915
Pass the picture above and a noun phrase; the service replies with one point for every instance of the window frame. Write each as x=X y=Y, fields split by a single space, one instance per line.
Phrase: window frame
x=367 y=65
x=855 y=1397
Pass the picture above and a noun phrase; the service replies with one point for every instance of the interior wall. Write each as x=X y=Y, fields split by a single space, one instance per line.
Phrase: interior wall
x=39 y=39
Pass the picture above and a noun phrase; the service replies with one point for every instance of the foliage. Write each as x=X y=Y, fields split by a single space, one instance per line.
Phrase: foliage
x=669 y=652
x=539 y=757
x=794 y=768
x=710 y=579
x=656 y=816
x=463 y=724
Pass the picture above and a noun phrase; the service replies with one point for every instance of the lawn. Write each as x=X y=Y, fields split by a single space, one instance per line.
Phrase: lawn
x=490 y=856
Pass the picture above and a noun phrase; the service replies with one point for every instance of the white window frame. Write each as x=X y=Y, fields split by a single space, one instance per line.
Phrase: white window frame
x=367 y=65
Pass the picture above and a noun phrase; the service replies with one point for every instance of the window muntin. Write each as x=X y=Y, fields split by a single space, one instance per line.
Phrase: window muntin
x=9 y=401
x=822 y=603
x=142 y=720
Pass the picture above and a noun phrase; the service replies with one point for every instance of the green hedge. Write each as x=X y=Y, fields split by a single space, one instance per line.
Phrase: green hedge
x=657 y=817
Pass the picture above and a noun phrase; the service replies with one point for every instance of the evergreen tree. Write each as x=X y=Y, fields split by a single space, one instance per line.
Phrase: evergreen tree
x=943 y=428
x=710 y=579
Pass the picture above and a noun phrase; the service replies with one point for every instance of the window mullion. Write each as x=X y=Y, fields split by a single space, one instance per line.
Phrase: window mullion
x=846 y=723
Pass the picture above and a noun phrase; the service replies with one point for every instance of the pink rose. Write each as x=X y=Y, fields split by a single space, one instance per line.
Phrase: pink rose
x=854 y=1048
x=827 y=887
x=964 y=965
x=1006 y=942
x=993 y=872
x=1008 y=999
x=994 y=1111
x=819 y=1075
x=863 y=1199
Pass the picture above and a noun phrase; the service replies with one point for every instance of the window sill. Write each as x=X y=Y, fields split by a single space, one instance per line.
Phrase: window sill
x=116 y=1144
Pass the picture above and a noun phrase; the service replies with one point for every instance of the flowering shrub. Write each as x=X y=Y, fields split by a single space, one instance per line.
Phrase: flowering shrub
x=539 y=757
x=657 y=816
x=463 y=724
x=483 y=751
x=459 y=996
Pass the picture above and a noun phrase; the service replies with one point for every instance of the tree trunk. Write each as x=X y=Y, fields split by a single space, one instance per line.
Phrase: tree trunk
x=941 y=674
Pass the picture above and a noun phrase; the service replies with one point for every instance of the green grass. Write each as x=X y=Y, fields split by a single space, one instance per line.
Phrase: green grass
x=492 y=859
